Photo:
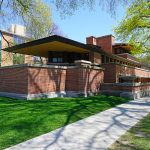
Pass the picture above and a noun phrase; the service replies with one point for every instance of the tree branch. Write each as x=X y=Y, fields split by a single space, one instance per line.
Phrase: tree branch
x=5 y=38
x=1 y=4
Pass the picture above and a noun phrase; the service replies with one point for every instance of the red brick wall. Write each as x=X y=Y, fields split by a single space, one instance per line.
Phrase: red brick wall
x=95 y=57
x=120 y=69
x=35 y=80
x=91 y=40
x=72 y=79
x=44 y=80
x=112 y=72
x=106 y=42
x=89 y=80
x=109 y=73
x=13 y=80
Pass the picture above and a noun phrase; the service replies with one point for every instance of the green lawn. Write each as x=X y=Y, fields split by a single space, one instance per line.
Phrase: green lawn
x=22 y=120
x=137 y=138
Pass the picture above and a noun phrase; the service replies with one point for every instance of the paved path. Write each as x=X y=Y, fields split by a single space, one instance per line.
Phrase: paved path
x=97 y=132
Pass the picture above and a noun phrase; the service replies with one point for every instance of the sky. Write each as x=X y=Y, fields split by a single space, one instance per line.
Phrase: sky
x=86 y=23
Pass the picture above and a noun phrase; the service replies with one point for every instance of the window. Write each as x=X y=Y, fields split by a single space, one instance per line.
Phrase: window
x=103 y=58
x=107 y=59
x=54 y=60
x=66 y=57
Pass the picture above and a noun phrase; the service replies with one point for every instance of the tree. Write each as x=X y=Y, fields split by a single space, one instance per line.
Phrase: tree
x=39 y=23
x=34 y=14
x=135 y=27
x=70 y=6
x=55 y=30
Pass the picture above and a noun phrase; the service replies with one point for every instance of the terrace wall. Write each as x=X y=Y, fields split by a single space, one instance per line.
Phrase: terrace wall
x=29 y=82
x=113 y=71
x=14 y=80
x=126 y=90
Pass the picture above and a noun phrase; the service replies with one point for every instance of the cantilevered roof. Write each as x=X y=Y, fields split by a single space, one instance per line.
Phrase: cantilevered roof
x=41 y=47
x=123 y=45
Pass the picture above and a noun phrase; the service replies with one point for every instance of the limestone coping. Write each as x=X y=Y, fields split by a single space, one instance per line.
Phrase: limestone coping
x=52 y=66
x=128 y=84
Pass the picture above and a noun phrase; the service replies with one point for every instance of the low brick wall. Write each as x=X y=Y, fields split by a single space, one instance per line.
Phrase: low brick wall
x=113 y=71
x=126 y=90
x=14 y=80
x=29 y=82
x=84 y=80
x=45 y=80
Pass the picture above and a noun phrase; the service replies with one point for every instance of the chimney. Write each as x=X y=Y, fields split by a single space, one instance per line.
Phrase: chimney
x=91 y=40
x=105 y=42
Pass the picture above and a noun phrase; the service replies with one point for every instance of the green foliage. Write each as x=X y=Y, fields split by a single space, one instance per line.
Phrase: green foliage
x=135 y=27
x=70 y=6
x=22 y=120
x=18 y=59
x=38 y=22
x=35 y=14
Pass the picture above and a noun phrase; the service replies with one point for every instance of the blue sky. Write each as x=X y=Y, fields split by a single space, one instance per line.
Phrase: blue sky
x=85 y=23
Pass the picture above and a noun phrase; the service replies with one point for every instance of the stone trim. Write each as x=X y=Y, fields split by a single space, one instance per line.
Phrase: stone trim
x=14 y=95
x=131 y=84
x=47 y=95
x=33 y=96
x=125 y=94
x=128 y=66
x=52 y=67
x=127 y=84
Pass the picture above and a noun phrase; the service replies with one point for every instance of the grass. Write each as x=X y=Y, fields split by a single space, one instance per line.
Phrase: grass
x=137 y=138
x=22 y=120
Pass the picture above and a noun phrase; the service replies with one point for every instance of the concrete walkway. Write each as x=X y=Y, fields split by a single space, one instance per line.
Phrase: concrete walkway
x=97 y=132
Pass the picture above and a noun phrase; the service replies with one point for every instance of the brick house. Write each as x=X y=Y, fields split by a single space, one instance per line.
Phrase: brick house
x=75 y=69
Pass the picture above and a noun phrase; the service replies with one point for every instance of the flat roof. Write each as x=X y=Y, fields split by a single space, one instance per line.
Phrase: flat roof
x=41 y=47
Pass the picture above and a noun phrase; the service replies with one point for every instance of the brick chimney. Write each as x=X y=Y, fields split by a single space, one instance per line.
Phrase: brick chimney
x=105 y=42
x=91 y=40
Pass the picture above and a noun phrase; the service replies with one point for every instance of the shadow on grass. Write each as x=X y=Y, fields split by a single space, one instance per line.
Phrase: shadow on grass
x=137 y=138
x=23 y=120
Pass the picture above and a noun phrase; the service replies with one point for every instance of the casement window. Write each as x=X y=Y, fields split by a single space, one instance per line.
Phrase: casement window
x=66 y=57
